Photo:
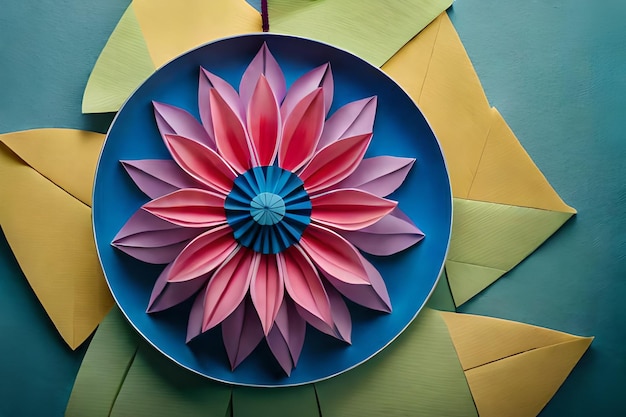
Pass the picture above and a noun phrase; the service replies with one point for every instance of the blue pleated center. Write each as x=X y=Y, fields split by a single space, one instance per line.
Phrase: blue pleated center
x=268 y=209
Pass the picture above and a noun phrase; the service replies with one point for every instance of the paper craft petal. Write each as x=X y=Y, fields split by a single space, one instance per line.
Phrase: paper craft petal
x=196 y=314
x=206 y=82
x=333 y=255
x=292 y=326
x=167 y=294
x=157 y=177
x=230 y=135
x=267 y=289
x=203 y=254
x=320 y=77
x=228 y=287
x=353 y=119
x=37 y=213
x=265 y=64
x=189 y=207
x=374 y=296
x=241 y=332
x=173 y=120
x=381 y=175
x=280 y=350
x=301 y=131
x=342 y=323
x=202 y=163
x=391 y=234
x=349 y=209
x=334 y=163
x=264 y=122
x=151 y=239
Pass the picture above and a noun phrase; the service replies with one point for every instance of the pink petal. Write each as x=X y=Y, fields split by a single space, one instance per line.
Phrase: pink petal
x=168 y=294
x=391 y=234
x=267 y=289
x=262 y=64
x=333 y=255
x=318 y=77
x=342 y=323
x=303 y=283
x=189 y=207
x=152 y=240
x=157 y=177
x=353 y=119
x=208 y=81
x=292 y=327
x=228 y=287
x=230 y=135
x=203 y=254
x=264 y=123
x=373 y=296
x=381 y=175
x=202 y=163
x=280 y=349
x=301 y=131
x=334 y=163
x=241 y=333
x=176 y=121
x=349 y=209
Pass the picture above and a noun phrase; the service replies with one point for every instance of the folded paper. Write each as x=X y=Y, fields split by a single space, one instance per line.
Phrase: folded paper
x=45 y=184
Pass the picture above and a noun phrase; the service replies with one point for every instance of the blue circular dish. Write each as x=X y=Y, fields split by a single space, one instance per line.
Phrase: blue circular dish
x=399 y=130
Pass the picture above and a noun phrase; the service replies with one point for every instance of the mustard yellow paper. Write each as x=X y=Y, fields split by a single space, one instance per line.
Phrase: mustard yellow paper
x=45 y=216
x=512 y=369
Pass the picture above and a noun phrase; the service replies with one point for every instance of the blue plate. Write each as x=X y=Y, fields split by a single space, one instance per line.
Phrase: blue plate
x=399 y=130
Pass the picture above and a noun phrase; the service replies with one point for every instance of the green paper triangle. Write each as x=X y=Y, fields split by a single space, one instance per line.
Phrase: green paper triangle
x=467 y=280
x=156 y=386
x=104 y=368
x=122 y=66
x=293 y=401
x=497 y=235
x=441 y=298
x=418 y=374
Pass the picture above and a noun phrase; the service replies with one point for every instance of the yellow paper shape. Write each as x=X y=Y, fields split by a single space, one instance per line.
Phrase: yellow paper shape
x=512 y=369
x=153 y=32
x=49 y=228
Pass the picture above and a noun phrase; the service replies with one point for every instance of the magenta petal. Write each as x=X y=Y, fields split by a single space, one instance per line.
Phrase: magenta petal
x=150 y=239
x=203 y=254
x=264 y=123
x=342 y=323
x=380 y=175
x=267 y=289
x=391 y=234
x=334 y=163
x=280 y=349
x=189 y=207
x=241 y=332
x=353 y=119
x=349 y=209
x=230 y=135
x=301 y=131
x=318 y=77
x=263 y=63
x=176 y=121
x=228 y=287
x=202 y=163
x=168 y=294
x=157 y=177
x=206 y=82
x=373 y=296
x=292 y=326
x=333 y=255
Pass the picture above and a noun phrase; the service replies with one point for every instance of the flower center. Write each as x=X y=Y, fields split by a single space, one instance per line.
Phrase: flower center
x=268 y=209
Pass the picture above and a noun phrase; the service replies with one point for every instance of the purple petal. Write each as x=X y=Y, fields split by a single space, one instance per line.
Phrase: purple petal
x=263 y=63
x=176 y=121
x=207 y=81
x=280 y=349
x=318 y=77
x=391 y=234
x=241 y=332
x=194 y=325
x=165 y=295
x=353 y=119
x=157 y=177
x=293 y=328
x=380 y=175
x=342 y=322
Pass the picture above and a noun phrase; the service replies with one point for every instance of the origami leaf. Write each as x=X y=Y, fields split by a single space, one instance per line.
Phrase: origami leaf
x=373 y=31
x=45 y=182
x=539 y=359
x=294 y=401
x=153 y=32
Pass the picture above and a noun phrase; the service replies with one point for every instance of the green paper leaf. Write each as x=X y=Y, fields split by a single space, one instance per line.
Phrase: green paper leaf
x=441 y=298
x=293 y=401
x=467 y=280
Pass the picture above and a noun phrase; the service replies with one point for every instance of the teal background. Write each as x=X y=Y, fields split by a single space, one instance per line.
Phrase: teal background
x=554 y=68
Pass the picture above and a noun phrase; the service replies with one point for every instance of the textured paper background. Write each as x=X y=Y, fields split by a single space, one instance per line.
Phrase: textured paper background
x=554 y=70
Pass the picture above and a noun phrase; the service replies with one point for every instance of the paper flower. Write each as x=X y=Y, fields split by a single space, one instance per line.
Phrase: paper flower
x=263 y=207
